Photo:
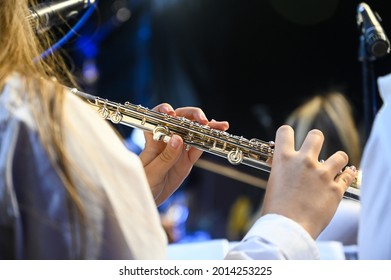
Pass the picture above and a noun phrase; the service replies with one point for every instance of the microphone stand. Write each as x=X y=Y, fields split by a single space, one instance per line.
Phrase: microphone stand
x=368 y=85
x=373 y=44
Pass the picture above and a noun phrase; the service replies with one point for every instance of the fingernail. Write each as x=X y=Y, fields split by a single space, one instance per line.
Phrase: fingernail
x=203 y=118
x=171 y=113
x=353 y=168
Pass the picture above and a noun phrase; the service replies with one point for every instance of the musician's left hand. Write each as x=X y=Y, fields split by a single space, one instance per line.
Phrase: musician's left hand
x=167 y=165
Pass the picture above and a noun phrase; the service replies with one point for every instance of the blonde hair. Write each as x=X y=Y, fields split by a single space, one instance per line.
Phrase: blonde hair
x=19 y=46
x=333 y=115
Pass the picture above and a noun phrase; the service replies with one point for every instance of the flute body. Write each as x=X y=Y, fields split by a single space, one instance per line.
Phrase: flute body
x=236 y=149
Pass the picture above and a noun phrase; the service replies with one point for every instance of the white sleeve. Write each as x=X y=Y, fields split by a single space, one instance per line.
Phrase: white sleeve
x=374 y=240
x=275 y=237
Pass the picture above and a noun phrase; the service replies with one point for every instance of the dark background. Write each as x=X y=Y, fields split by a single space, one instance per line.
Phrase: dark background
x=242 y=61
x=250 y=62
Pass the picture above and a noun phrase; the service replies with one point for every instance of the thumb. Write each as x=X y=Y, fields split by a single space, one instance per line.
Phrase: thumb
x=163 y=162
x=158 y=169
x=172 y=151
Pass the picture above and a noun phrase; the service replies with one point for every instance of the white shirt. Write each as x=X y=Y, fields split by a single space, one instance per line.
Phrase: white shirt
x=374 y=238
x=275 y=237
x=120 y=209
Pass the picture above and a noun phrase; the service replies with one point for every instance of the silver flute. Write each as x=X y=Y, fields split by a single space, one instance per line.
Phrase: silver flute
x=236 y=149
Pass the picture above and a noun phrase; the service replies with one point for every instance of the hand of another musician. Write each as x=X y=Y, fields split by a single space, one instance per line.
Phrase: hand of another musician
x=302 y=188
x=167 y=165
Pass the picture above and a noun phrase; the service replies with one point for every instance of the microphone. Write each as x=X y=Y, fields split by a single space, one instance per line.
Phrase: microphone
x=376 y=40
x=45 y=15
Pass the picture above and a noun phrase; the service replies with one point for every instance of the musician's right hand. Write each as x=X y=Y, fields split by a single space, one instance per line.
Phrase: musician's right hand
x=301 y=187
x=167 y=165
